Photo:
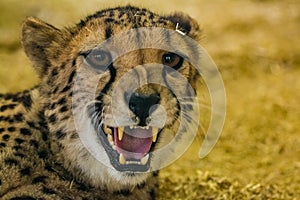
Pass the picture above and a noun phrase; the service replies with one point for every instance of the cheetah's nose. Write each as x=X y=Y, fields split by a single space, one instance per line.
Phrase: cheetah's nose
x=140 y=105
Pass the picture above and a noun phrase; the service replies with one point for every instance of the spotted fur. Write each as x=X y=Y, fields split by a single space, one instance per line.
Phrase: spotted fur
x=41 y=154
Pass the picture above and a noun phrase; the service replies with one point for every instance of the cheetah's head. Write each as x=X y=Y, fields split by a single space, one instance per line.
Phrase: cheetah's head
x=110 y=110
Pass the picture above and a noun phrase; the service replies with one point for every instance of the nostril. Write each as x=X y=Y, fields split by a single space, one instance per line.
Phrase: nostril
x=140 y=105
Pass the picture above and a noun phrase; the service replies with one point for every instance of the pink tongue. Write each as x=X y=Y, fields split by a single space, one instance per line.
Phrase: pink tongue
x=135 y=144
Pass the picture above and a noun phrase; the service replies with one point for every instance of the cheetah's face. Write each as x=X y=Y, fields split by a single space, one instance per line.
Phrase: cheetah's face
x=120 y=71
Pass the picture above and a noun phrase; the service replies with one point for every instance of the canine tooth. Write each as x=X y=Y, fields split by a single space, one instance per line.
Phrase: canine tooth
x=122 y=159
x=147 y=127
x=145 y=159
x=107 y=130
x=114 y=147
x=120 y=133
x=154 y=134
x=131 y=127
x=110 y=139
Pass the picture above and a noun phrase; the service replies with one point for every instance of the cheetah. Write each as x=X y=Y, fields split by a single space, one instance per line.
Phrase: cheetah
x=67 y=137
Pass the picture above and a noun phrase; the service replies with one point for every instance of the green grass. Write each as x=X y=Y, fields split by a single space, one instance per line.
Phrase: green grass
x=256 y=45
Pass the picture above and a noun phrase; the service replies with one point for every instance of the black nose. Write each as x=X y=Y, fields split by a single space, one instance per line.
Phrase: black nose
x=140 y=105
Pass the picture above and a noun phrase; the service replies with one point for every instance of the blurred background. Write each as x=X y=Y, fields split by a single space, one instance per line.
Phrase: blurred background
x=256 y=45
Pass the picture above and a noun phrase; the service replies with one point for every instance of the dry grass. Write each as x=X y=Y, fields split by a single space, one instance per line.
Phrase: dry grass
x=256 y=45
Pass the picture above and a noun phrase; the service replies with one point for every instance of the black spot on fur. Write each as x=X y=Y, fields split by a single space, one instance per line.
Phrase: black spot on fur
x=19 y=155
x=17 y=148
x=27 y=101
x=49 y=168
x=54 y=72
x=63 y=66
x=34 y=143
x=108 y=32
x=109 y=20
x=11 y=129
x=65 y=89
x=42 y=121
x=52 y=106
x=62 y=101
x=48 y=190
x=0 y=182
x=24 y=197
x=5 y=137
x=82 y=187
x=11 y=121
x=11 y=161
x=25 y=131
x=44 y=135
x=2 y=144
x=71 y=77
x=25 y=171
x=152 y=194
x=31 y=124
x=19 y=140
x=39 y=179
x=121 y=14
x=81 y=23
x=141 y=186
x=125 y=193
x=43 y=154
x=3 y=118
x=63 y=109
x=6 y=107
x=55 y=90
x=60 y=135
x=2 y=130
x=19 y=117
x=52 y=118
x=155 y=174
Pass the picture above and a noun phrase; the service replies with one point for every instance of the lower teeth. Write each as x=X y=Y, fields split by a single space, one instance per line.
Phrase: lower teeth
x=123 y=161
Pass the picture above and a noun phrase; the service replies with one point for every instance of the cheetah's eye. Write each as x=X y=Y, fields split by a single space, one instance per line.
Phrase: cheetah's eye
x=172 y=60
x=99 y=59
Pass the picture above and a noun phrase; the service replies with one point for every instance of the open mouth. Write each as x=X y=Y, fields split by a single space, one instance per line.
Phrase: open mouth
x=129 y=148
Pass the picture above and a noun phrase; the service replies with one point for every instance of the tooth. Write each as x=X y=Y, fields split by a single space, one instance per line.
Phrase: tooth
x=147 y=127
x=114 y=147
x=145 y=159
x=154 y=134
x=122 y=159
x=120 y=133
x=133 y=162
x=131 y=127
x=110 y=139
x=107 y=130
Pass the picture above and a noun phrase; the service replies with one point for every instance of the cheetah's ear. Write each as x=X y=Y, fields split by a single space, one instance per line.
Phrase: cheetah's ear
x=37 y=39
x=185 y=24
